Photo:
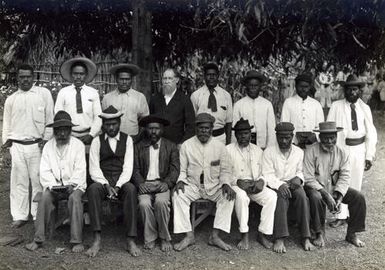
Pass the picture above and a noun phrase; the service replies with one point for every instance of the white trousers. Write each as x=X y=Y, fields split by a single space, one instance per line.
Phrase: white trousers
x=181 y=203
x=25 y=166
x=267 y=198
x=357 y=167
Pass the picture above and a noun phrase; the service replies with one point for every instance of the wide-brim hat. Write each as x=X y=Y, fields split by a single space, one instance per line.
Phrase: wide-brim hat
x=131 y=68
x=253 y=74
x=61 y=119
x=111 y=113
x=328 y=127
x=65 y=69
x=242 y=124
x=152 y=118
x=352 y=80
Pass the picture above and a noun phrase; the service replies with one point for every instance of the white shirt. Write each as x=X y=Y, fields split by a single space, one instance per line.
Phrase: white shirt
x=67 y=165
x=260 y=114
x=134 y=106
x=153 y=168
x=95 y=171
x=246 y=161
x=277 y=169
x=26 y=113
x=167 y=98
x=224 y=113
x=66 y=100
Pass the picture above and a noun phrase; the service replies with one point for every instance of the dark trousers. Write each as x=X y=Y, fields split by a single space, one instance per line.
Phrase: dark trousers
x=45 y=212
x=96 y=193
x=356 y=204
x=300 y=203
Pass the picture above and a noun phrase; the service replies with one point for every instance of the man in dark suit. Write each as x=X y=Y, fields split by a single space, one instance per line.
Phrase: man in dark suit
x=175 y=107
x=156 y=169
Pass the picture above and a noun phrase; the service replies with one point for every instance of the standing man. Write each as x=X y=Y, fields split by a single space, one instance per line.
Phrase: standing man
x=156 y=169
x=63 y=176
x=26 y=114
x=111 y=165
x=282 y=169
x=213 y=99
x=327 y=176
x=303 y=111
x=248 y=184
x=131 y=103
x=205 y=172
x=359 y=136
x=176 y=107
x=258 y=110
x=79 y=100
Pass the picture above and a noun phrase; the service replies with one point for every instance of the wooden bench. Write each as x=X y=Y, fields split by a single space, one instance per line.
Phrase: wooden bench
x=199 y=211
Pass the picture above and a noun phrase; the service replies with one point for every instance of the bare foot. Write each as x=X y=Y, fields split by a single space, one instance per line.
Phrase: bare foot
x=337 y=223
x=33 y=246
x=353 y=239
x=307 y=245
x=187 y=241
x=18 y=223
x=244 y=243
x=149 y=245
x=217 y=241
x=132 y=247
x=279 y=246
x=78 y=248
x=94 y=249
x=320 y=240
x=165 y=246
x=261 y=238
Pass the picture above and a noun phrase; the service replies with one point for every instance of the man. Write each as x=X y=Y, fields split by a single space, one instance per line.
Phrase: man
x=111 y=165
x=282 y=169
x=213 y=99
x=79 y=100
x=249 y=184
x=359 y=136
x=132 y=103
x=327 y=176
x=205 y=172
x=258 y=110
x=156 y=169
x=63 y=176
x=176 y=107
x=26 y=114
x=303 y=111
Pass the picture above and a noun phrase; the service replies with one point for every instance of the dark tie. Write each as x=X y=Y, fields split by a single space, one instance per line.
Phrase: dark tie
x=202 y=178
x=212 y=101
x=354 y=116
x=79 y=107
x=155 y=145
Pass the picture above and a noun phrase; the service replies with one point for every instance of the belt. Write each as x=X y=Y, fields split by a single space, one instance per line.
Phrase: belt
x=218 y=132
x=27 y=142
x=82 y=131
x=355 y=141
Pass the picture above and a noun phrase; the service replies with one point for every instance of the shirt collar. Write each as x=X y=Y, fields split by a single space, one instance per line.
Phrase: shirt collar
x=117 y=137
x=126 y=93
x=147 y=142
x=32 y=90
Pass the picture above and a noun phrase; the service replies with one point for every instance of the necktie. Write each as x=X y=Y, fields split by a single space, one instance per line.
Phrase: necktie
x=79 y=107
x=155 y=145
x=212 y=104
x=202 y=178
x=354 y=116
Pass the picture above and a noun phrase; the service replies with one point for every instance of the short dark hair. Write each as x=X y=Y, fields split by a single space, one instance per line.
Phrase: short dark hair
x=25 y=67
x=77 y=64
x=210 y=65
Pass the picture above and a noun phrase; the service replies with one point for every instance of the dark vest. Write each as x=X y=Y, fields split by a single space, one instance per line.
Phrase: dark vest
x=111 y=163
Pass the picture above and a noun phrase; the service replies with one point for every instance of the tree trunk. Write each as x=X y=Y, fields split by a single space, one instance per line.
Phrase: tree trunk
x=142 y=46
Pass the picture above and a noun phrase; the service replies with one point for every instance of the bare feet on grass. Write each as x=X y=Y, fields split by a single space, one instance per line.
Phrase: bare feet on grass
x=132 y=248
x=244 y=243
x=33 y=246
x=279 y=246
x=149 y=245
x=94 y=249
x=188 y=240
x=77 y=248
x=165 y=245
x=307 y=245
x=262 y=239
x=353 y=239
x=215 y=240
x=320 y=240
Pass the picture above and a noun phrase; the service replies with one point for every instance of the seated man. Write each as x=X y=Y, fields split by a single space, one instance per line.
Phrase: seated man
x=111 y=165
x=205 y=172
x=156 y=169
x=249 y=184
x=282 y=169
x=63 y=176
x=327 y=175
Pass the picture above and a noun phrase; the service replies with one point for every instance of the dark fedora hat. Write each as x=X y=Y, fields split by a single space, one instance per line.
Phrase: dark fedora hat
x=131 y=68
x=61 y=119
x=253 y=74
x=353 y=80
x=65 y=69
x=153 y=118
x=284 y=128
x=242 y=124
x=110 y=113
x=328 y=127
